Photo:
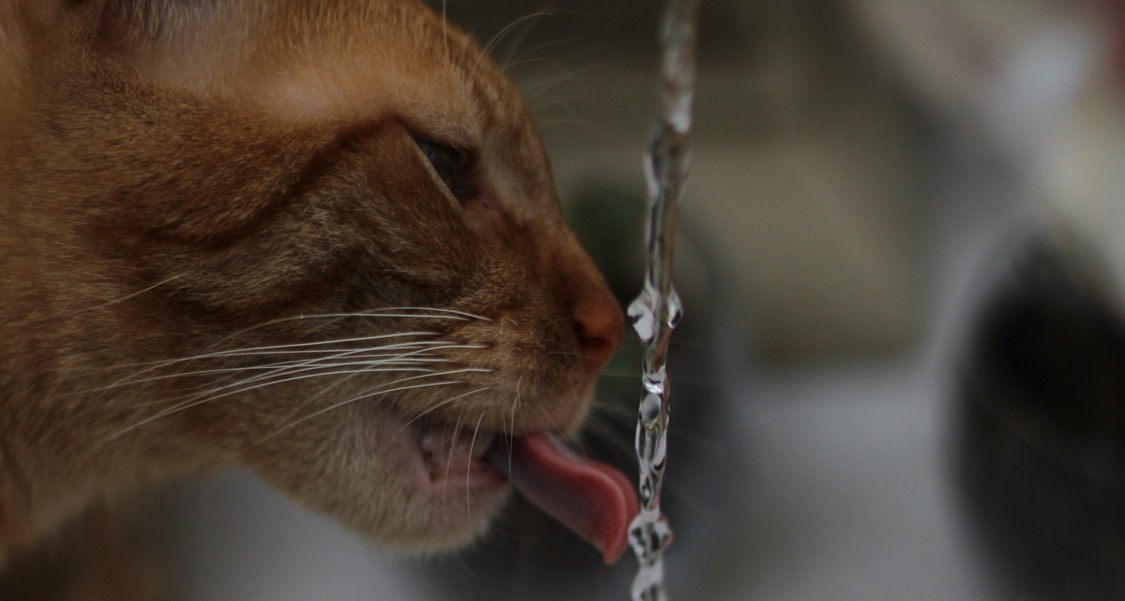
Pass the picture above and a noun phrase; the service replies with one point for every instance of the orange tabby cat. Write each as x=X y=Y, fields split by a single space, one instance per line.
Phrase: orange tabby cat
x=316 y=238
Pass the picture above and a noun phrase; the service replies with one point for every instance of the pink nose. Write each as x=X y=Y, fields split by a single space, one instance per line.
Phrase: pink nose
x=600 y=325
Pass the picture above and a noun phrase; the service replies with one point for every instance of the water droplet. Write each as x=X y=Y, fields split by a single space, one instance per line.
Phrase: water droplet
x=675 y=309
x=644 y=320
x=657 y=310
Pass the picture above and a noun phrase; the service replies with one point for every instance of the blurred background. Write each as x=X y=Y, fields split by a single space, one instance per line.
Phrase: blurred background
x=900 y=372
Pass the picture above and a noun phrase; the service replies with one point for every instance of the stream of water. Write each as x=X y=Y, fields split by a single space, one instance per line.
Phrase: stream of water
x=657 y=309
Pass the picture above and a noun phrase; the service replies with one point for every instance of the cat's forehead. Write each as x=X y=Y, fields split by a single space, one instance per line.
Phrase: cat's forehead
x=335 y=60
x=361 y=86
x=373 y=59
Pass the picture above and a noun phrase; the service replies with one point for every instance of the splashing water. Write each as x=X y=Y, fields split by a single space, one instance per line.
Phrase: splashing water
x=657 y=310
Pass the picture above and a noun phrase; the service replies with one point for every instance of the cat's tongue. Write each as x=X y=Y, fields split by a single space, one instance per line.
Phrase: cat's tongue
x=593 y=499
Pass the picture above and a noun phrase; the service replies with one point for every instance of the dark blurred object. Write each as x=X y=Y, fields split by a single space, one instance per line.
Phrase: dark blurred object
x=529 y=555
x=1041 y=432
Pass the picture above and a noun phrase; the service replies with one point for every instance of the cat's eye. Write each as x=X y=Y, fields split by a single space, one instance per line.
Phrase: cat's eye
x=449 y=163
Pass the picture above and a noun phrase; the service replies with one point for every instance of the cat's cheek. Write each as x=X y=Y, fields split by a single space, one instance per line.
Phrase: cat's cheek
x=364 y=469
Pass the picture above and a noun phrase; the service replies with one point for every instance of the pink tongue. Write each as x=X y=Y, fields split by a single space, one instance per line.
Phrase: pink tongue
x=593 y=499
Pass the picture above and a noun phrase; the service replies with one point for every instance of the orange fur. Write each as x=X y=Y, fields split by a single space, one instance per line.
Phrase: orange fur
x=177 y=182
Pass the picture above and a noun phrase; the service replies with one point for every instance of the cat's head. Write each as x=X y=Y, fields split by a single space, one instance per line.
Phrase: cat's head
x=319 y=239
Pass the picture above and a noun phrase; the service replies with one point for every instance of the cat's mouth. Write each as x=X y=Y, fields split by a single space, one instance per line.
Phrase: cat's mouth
x=455 y=458
x=593 y=499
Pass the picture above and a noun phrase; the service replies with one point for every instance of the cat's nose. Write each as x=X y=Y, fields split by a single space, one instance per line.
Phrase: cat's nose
x=600 y=325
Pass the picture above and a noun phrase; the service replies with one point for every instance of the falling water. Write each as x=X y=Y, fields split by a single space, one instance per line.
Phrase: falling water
x=657 y=309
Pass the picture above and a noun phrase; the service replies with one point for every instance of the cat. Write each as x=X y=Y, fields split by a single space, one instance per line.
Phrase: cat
x=319 y=240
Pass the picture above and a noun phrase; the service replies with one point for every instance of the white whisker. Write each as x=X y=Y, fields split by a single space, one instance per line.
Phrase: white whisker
x=445 y=30
x=289 y=376
x=558 y=430
x=438 y=310
x=390 y=312
x=504 y=32
x=137 y=293
x=273 y=349
x=423 y=414
x=449 y=460
x=438 y=406
x=338 y=316
x=316 y=363
x=296 y=345
x=271 y=369
x=369 y=394
x=601 y=428
x=200 y=399
x=515 y=407
x=420 y=313
x=469 y=469
x=511 y=61
x=425 y=348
